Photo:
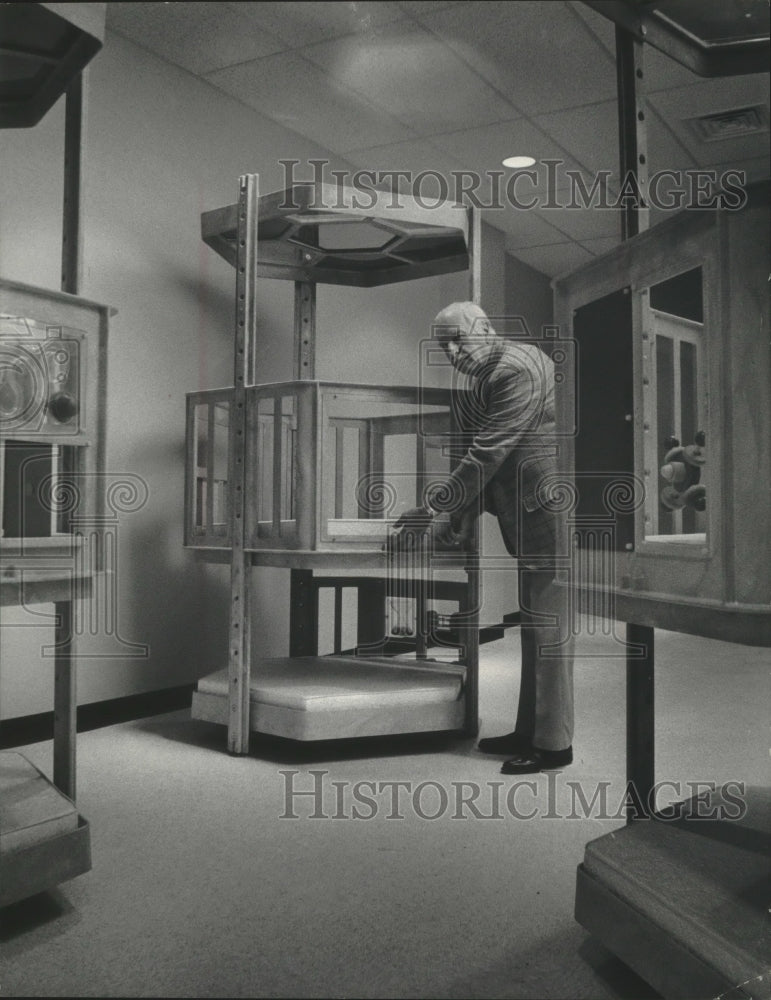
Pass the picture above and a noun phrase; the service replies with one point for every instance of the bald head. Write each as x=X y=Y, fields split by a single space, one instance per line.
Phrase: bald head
x=466 y=335
x=467 y=317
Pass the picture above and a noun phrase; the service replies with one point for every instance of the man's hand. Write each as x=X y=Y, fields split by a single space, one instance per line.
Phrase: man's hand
x=448 y=532
x=415 y=519
x=455 y=531
x=445 y=534
x=409 y=528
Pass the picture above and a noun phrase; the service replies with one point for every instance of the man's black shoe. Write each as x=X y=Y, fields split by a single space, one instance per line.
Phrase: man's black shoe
x=534 y=760
x=510 y=743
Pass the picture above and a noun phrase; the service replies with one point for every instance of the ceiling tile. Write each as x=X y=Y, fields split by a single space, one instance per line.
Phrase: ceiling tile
x=559 y=258
x=665 y=150
x=410 y=72
x=590 y=133
x=581 y=223
x=298 y=24
x=196 y=36
x=485 y=148
x=534 y=53
x=603 y=29
x=299 y=96
x=417 y=157
x=524 y=229
x=600 y=246
x=427 y=6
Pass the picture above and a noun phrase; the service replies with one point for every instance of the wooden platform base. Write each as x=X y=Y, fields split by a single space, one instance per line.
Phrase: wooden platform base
x=684 y=902
x=334 y=697
x=43 y=840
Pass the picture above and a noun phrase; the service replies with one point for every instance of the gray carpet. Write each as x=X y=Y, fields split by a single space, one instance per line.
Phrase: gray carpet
x=200 y=888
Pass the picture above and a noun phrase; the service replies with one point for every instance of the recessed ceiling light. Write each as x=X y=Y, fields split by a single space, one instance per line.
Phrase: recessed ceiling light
x=518 y=161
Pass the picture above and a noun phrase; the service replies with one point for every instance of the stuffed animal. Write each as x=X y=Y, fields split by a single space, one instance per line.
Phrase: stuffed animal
x=682 y=471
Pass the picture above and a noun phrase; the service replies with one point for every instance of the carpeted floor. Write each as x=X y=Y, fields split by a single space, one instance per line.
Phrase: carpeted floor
x=202 y=884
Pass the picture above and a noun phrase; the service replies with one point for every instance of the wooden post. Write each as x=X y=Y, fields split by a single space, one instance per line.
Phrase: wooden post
x=239 y=654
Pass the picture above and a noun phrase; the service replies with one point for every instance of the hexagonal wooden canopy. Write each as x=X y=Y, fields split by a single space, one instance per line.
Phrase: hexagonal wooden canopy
x=347 y=236
x=43 y=47
x=710 y=37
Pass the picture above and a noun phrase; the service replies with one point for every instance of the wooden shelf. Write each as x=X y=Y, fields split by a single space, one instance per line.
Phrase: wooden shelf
x=33 y=586
x=712 y=619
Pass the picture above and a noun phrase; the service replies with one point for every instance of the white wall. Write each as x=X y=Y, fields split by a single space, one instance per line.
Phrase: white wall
x=161 y=147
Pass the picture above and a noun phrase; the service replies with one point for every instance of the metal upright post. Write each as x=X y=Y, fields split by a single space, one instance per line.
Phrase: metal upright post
x=633 y=163
x=65 y=663
x=239 y=657
x=304 y=330
x=472 y=601
x=72 y=258
x=632 y=132
x=303 y=602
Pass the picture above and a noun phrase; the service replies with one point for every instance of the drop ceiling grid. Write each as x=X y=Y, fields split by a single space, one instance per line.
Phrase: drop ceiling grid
x=525 y=51
x=411 y=72
x=557 y=259
x=447 y=86
x=280 y=86
x=198 y=37
x=301 y=24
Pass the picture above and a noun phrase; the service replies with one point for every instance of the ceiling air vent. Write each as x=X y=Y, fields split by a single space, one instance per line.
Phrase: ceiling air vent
x=730 y=124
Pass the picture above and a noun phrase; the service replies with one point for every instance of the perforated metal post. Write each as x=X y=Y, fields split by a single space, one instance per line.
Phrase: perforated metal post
x=65 y=673
x=304 y=330
x=304 y=598
x=471 y=603
x=239 y=649
x=633 y=162
x=632 y=131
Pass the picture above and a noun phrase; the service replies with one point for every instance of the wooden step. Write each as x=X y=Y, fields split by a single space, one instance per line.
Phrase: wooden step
x=684 y=902
x=43 y=840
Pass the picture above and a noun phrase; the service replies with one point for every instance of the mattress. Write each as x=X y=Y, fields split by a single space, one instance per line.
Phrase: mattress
x=329 y=697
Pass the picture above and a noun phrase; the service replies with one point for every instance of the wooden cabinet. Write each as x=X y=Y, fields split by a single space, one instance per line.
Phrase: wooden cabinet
x=310 y=475
x=671 y=460
x=52 y=420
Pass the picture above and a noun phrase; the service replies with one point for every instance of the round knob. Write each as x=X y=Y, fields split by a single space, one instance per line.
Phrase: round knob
x=62 y=407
